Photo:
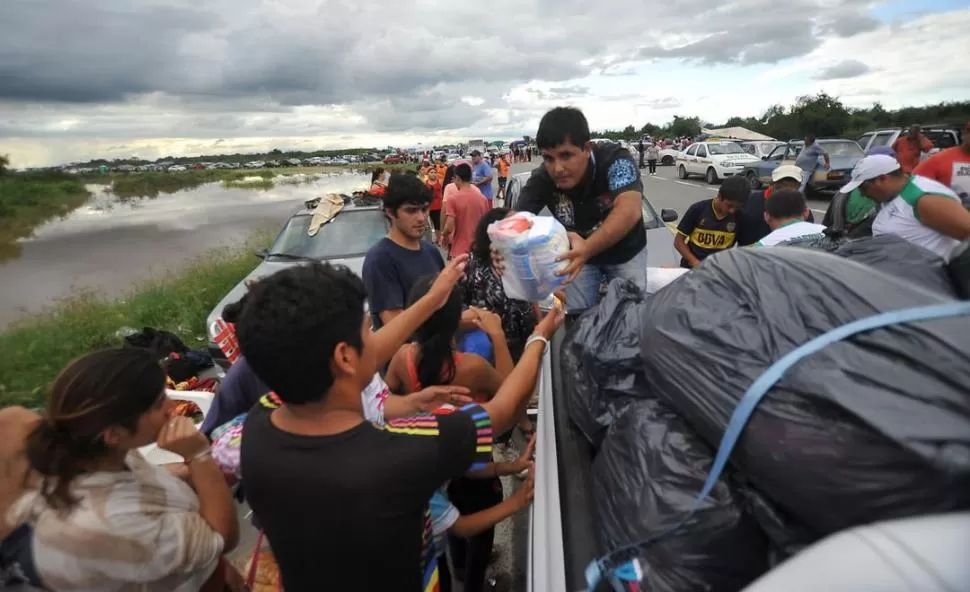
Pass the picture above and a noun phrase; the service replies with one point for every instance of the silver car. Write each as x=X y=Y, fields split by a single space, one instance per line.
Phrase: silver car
x=344 y=240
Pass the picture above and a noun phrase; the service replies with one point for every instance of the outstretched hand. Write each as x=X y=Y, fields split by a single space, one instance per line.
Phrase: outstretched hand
x=432 y=397
x=576 y=256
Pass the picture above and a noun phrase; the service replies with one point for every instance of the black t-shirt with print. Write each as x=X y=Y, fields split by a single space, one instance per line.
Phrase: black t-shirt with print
x=350 y=511
x=705 y=232
x=612 y=171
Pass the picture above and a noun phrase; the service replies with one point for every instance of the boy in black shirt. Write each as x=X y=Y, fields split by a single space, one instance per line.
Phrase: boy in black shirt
x=711 y=225
x=595 y=191
x=343 y=503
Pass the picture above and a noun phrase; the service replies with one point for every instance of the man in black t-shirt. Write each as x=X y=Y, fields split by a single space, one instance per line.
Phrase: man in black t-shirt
x=711 y=225
x=595 y=191
x=398 y=260
x=344 y=503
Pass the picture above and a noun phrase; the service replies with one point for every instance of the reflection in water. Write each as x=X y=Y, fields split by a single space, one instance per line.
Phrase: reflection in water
x=108 y=244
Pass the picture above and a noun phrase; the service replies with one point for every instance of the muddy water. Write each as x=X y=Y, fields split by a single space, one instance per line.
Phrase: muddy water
x=107 y=245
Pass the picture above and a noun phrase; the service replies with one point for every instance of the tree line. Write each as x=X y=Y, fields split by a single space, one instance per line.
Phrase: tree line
x=822 y=114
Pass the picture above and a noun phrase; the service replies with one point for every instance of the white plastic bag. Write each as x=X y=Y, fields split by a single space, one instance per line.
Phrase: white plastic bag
x=658 y=277
x=530 y=245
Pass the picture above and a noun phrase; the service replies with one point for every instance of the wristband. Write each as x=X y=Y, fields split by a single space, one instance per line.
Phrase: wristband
x=535 y=338
x=207 y=453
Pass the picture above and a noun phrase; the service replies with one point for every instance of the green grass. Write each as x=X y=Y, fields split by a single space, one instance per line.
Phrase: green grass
x=35 y=349
x=28 y=200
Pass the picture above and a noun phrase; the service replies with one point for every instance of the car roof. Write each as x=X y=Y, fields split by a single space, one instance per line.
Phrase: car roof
x=349 y=206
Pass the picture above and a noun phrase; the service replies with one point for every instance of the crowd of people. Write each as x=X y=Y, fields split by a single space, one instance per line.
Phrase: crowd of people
x=360 y=419
x=890 y=191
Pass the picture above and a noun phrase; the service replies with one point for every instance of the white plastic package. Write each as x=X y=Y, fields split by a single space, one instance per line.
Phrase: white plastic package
x=659 y=277
x=530 y=245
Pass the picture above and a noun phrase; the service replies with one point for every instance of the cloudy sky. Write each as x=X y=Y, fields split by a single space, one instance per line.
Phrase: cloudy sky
x=117 y=78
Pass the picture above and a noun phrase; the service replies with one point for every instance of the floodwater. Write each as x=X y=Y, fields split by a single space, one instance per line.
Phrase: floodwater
x=107 y=245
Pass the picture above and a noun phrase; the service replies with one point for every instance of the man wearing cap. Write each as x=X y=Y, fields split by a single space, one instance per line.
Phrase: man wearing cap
x=923 y=211
x=850 y=214
x=482 y=175
x=753 y=226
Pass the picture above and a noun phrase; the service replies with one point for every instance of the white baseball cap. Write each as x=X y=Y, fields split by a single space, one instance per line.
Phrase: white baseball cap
x=786 y=171
x=868 y=169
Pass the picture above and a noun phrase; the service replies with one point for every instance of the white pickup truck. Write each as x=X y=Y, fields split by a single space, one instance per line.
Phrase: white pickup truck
x=927 y=554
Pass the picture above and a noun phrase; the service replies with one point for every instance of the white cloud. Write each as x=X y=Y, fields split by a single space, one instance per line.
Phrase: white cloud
x=166 y=77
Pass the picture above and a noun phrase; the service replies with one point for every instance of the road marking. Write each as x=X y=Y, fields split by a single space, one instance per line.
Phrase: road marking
x=819 y=212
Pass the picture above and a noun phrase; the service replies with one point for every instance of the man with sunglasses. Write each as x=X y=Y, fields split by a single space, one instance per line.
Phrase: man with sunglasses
x=395 y=263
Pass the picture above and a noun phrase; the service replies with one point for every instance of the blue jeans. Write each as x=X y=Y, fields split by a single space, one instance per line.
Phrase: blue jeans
x=584 y=291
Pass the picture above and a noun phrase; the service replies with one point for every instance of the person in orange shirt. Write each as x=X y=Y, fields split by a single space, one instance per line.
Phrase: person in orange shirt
x=503 y=175
x=909 y=147
x=442 y=167
x=434 y=184
x=463 y=211
x=951 y=167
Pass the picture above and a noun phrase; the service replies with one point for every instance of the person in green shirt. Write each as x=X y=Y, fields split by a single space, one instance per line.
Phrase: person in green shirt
x=851 y=214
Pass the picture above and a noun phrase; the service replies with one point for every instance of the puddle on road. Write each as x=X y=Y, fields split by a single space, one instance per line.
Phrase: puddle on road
x=108 y=244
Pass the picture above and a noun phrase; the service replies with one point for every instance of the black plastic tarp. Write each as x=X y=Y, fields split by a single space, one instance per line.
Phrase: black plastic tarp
x=897 y=256
x=601 y=358
x=649 y=470
x=876 y=426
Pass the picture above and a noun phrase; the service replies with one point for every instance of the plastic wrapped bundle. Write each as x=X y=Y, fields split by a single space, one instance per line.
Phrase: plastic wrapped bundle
x=602 y=356
x=651 y=467
x=872 y=427
x=897 y=256
x=530 y=245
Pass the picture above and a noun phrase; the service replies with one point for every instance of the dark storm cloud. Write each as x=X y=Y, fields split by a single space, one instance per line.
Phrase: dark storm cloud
x=844 y=69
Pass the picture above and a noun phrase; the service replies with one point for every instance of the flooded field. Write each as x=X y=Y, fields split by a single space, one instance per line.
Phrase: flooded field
x=108 y=244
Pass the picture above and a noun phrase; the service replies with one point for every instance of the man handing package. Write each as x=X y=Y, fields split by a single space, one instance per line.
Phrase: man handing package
x=595 y=192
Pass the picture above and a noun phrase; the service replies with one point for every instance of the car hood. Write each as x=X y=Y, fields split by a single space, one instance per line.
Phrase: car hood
x=660 y=248
x=355 y=264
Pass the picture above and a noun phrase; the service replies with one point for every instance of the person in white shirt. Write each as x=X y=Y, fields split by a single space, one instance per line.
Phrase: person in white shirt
x=785 y=214
x=920 y=210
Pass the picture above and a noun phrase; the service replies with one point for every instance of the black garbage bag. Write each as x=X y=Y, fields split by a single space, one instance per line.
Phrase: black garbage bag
x=897 y=256
x=959 y=269
x=601 y=356
x=649 y=470
x=873 y=427
x=161 y=342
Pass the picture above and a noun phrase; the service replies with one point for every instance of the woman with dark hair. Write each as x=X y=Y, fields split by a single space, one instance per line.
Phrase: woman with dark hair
x=482 y=288
x=378 y=182
x=433 y=359
x=103 y=517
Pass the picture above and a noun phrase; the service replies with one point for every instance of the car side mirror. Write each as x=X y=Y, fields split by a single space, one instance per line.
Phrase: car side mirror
x=764 y=158
x=261 y=253
x=668 y=215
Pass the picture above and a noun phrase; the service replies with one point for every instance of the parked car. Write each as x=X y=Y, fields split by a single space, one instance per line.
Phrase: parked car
x=713 y=160
x=760 y=148
x=344 y=240
x=843 y=155
x=393 y=159
x=942 y=136
x=668 y=156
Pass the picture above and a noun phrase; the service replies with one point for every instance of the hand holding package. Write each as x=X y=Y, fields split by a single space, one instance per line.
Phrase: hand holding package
x=530 y=245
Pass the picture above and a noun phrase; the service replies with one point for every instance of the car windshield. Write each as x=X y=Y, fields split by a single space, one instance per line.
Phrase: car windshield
x=350 y=234
x=843 y=149
x=724 y=148
x=650 y=218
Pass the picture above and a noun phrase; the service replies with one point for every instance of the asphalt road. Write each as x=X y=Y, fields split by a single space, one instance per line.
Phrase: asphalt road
x=665 y=190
